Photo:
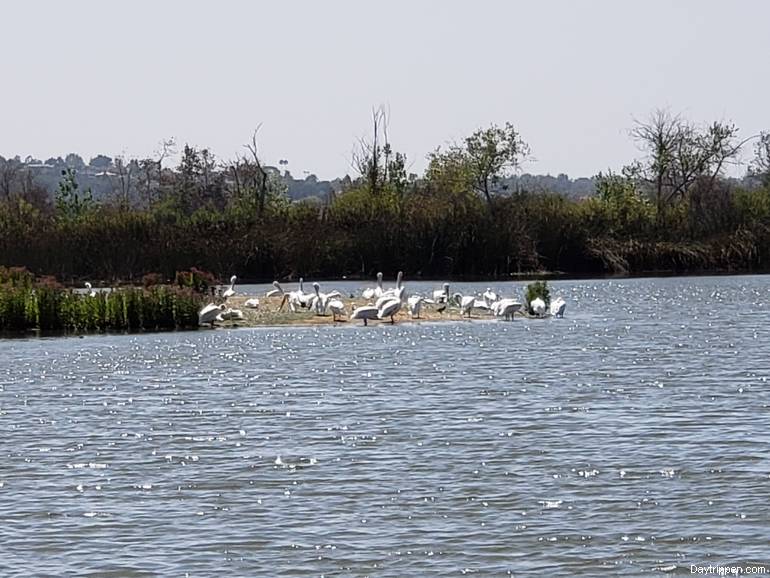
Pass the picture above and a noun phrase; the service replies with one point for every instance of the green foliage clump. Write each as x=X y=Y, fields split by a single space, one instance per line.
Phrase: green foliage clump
x=46 y=305
x=195 y=279
x=537 y=289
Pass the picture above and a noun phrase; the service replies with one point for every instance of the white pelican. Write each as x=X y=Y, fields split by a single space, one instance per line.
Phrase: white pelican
x=482 y=304
x=398 y=291
x=252 y=303
x=304 y=298
x=90 y=292
x=337 y=307
x=537 y=307
x=389 y=309
x=230 y=291
x=275 y=292
x=292 y=297
x=557 y=307
x=230 y=315
x=441 y=295
x=466 y=303
x=366 y=312
x=506 y=308
x=415 y=304
x=489 y=296
x=209 y=313
x=320 y=301
x=372 y=292
x=296 y=298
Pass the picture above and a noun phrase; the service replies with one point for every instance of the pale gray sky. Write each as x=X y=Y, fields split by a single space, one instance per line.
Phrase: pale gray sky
x=117 y=76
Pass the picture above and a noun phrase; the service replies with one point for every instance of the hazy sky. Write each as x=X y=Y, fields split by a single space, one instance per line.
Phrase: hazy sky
x=116 y=76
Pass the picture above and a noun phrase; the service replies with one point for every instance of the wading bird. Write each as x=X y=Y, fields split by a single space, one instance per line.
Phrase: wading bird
x=209 y=313
x=537 y=307
x=230 y=291
x=506 y=308
x=558 y=306
x=365 y=313
x=275 y=292
x=374 y=292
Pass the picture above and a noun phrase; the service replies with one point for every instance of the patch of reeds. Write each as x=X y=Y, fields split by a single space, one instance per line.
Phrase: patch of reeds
x=46 y=305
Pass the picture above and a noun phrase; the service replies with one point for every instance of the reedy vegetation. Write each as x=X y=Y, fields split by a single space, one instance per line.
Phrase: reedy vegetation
x=29 y=303
x=669 y=210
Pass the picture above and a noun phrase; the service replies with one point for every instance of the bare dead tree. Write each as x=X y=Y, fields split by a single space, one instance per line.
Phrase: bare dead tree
x=123 y=182
x=257 y=173
x=679 y=154
x=370 y=158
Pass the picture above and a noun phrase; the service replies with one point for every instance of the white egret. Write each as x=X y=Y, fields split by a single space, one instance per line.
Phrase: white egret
x=89 y=290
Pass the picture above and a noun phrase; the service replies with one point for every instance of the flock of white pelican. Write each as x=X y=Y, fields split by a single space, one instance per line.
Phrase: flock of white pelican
x=383 y=304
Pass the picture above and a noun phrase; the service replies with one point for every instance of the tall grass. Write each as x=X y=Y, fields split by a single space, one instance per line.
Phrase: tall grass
x=26 y=304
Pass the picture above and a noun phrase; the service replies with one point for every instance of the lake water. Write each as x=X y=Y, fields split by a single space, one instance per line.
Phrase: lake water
x=631 y=438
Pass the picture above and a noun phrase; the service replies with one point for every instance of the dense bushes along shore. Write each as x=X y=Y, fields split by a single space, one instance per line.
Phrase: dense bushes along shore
x=672 y=210
x=27 y=303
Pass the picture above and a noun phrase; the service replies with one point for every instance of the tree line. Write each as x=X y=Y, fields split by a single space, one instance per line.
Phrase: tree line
x=672 y=209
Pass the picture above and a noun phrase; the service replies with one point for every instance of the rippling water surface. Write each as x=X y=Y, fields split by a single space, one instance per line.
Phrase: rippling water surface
x=629 y=438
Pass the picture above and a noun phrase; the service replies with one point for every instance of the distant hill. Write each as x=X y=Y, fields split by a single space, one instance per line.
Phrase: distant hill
x=102 y=176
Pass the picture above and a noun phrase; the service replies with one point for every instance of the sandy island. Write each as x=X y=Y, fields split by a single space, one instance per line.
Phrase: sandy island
x=268 y=314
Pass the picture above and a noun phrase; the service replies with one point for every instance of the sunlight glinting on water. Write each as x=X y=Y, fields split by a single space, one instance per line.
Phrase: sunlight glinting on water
x=630 y=436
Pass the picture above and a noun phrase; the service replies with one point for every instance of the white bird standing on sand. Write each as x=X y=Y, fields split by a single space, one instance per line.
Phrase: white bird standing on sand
x=389 y=309
x=489 y=296
x=275 y=292
x=320 y=301
x=230 y=315
x=337 y=308
x=441 y=295
x=398 y=291
x=537 y=306
x=230 y=291
x=465 y=302
x=296 y=298
x=415 y=305
x=252 y=303
x=91 y=292
x=372 y=292
x=209 y=313
x=558 y=306
x=304 y=298
x=365 y=313
x=506 y=308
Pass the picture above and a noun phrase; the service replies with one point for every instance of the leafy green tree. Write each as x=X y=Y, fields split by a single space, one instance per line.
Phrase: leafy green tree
x=72 y=204
x=484 y=158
